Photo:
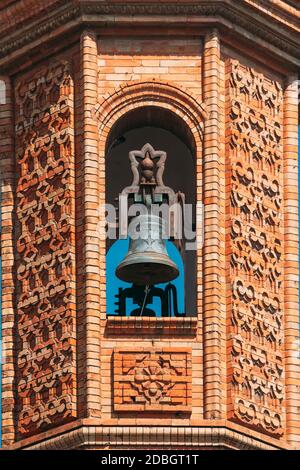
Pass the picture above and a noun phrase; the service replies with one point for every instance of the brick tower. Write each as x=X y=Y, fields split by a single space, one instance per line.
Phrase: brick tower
x=222 y=76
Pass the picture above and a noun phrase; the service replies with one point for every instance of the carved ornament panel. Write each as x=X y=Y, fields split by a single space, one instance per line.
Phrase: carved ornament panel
x=152 y=380
x=254 y=146
x=44 y=245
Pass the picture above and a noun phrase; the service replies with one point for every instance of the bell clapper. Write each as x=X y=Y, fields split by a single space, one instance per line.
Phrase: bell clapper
x=147 y=288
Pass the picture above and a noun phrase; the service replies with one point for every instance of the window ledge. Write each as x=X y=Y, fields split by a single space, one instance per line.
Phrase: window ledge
x=177 y=326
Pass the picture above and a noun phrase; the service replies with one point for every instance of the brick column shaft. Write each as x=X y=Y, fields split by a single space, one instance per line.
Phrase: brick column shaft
x=7 y=175
x=89 y=242
x=211 y=199
x=291 y=272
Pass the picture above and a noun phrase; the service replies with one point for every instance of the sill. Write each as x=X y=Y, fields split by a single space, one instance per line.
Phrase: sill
x=174 y=326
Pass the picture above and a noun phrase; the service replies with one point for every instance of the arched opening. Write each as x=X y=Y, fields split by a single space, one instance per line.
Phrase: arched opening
x=167 y=132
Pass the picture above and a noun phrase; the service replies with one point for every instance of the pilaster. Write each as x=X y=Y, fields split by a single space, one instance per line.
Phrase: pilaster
x=7 y=178
x=291 y=265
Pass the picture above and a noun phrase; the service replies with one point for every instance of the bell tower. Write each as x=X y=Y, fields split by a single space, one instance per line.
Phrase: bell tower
x=149 y=224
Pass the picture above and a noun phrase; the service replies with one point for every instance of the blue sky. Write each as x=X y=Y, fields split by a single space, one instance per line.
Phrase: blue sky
x=116 y=254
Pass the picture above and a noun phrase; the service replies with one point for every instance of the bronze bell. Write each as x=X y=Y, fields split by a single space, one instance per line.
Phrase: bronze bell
x=147 y=261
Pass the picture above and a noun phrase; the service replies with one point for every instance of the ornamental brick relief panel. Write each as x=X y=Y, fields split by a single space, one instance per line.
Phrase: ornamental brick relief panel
x=254 y=146
x=152 y=380
x=45 y=369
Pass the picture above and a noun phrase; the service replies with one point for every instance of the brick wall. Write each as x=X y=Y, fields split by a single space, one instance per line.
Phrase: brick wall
x=133 y=59
x=137 y=61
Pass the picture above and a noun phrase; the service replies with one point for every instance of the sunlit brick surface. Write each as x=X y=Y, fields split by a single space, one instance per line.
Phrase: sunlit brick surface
x=229 y=376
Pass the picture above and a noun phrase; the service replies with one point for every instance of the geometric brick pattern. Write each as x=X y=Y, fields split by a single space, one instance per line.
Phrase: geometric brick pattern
x=46 y=323
x=152 y=380
x=254 y=143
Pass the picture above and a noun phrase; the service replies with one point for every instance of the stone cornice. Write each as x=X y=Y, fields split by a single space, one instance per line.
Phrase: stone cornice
x=83 y=435
x=14 y=16
x=45 y=25
x=241 y=18
x=281 y=11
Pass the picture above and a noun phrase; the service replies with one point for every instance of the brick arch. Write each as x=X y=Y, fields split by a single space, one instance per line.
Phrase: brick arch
x=150 y=93
x=170 y=97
